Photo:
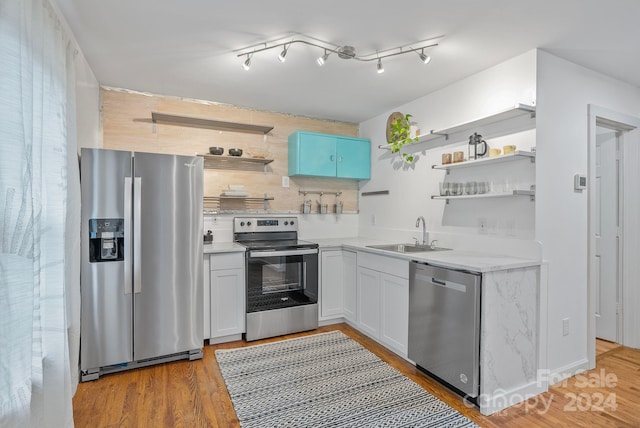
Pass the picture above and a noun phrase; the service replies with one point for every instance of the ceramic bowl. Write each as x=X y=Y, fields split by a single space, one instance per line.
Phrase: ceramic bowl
x=235 y=152
x=216 y=150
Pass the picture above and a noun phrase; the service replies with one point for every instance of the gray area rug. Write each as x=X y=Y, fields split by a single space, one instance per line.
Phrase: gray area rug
x=326 y=380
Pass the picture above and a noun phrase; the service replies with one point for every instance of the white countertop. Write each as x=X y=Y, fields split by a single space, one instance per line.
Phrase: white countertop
x=455 y=259
x=223 y=247
x=475 y=261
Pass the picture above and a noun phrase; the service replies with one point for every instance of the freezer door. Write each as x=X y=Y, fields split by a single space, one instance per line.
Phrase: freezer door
x=106 y=314
x=168 y=282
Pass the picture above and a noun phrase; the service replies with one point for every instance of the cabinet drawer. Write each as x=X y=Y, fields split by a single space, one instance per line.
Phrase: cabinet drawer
x=227 y=260
x=389 y=265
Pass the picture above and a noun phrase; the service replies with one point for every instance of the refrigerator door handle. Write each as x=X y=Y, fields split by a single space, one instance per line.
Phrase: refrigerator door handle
x=127 y=236
x=137 y=256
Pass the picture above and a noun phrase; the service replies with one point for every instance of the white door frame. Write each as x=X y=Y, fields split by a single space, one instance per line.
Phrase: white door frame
x=605 y=288
x=598 y=116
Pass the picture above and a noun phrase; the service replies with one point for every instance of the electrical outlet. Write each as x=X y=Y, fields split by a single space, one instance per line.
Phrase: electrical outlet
x=565 y=327
x=285 y=181
x=483 y=227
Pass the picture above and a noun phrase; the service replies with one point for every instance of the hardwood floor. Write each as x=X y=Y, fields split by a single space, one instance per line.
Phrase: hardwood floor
x=193 y=394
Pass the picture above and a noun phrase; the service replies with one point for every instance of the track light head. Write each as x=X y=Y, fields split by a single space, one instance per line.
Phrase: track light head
x=380 y=67
x=424 y=58
x=283 y=54
x=247 y=63
x=322 y=59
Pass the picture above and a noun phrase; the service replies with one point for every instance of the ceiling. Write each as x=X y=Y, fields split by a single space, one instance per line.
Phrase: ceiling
x=186 y=48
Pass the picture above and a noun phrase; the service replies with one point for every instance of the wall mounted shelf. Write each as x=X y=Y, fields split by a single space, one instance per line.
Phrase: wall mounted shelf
x=197 y=122
x=441 y=137
x=518 y=154
x=234 y=162
x=235 y=203
x=530 y=193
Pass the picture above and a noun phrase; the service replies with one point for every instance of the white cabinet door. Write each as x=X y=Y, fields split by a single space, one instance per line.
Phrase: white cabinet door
x=227 y=302
x=349 y=285
x=394 y=329
x=207 y=297
x=383 y=300
x=331 y=277
x=369 y=301
x=227 y=295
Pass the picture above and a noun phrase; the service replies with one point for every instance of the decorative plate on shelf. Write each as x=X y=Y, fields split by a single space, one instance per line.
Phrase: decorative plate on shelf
x=393 y=117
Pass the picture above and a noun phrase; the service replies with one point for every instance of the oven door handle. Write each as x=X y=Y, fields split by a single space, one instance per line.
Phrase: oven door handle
x=282 y=253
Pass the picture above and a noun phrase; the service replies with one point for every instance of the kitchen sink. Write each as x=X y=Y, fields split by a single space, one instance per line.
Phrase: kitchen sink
x=406 y=248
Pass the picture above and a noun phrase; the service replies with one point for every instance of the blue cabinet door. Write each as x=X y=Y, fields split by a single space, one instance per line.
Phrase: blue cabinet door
x=354 y=158
x=312 y=154
x=324 y=155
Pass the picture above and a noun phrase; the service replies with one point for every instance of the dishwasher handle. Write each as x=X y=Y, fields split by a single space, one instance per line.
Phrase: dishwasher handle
x=438 y=282
x=444 y=284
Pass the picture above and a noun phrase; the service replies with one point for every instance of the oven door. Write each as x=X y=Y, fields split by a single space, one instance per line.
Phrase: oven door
x=281 y=278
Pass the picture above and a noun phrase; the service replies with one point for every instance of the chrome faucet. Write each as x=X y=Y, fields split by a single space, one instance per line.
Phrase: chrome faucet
x=425 y=234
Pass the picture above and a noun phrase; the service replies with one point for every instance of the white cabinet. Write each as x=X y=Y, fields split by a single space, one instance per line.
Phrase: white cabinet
x=369 y=301
x=331 y=277
x=383 y=300
x=349 y=284
x=227 y=297
x=338 y=284
x=394 y=323
x=206 y=296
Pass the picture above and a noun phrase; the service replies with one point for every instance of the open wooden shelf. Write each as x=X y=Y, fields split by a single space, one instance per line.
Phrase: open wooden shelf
x=197 y=122
x=234 y=162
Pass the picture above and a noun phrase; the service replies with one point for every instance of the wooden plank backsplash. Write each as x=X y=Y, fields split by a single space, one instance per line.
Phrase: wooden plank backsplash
x=126 y=125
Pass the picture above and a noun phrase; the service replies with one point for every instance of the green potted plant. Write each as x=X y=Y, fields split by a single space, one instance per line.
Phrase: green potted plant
x=400 y=134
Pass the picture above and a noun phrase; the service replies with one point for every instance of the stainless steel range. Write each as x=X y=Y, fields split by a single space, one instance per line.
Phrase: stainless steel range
x=282 y=276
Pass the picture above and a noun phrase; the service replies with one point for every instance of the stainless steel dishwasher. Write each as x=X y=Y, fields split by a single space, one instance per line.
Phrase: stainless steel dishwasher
x=444 y=325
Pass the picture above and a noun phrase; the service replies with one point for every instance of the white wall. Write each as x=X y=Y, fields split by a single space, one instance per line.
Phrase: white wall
x=558 y=219
x=88 y=105
x=87 y=94
x=511 y=220
x=564 y=91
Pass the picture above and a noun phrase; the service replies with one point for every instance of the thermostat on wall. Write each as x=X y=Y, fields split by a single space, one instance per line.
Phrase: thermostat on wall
x=579 y=182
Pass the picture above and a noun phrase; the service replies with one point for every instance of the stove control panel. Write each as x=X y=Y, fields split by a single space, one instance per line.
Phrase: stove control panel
x=265 y=224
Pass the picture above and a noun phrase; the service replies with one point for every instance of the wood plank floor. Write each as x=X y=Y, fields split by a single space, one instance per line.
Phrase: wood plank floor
x=193 y=394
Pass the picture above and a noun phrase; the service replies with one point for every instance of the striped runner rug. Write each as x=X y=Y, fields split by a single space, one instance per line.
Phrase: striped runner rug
x=326 y=380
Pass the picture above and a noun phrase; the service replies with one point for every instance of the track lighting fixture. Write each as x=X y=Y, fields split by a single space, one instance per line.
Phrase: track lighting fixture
x=342 y=51
x=247 y=63
x=283 y=54
x=322 y=59
x=424 y=58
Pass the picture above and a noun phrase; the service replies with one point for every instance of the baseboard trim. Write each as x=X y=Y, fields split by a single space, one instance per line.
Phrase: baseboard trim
x=500 y=399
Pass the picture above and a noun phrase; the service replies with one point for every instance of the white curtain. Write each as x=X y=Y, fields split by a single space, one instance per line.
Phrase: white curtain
x=39 y=218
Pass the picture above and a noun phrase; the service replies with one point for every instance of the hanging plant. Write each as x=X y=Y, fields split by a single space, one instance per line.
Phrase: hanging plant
x=399 y=134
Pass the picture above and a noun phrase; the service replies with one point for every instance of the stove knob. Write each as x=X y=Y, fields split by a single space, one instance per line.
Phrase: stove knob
x=248 y=223
x=291 y=223
x=241 y=223
x=286 y=223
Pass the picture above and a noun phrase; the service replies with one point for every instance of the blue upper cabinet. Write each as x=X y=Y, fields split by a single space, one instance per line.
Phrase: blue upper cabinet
x=324 y=155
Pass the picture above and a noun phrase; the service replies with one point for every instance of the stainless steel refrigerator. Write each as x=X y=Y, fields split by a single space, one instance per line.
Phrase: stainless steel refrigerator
x=142 y=266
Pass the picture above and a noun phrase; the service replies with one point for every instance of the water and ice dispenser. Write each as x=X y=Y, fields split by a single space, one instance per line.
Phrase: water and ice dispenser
x=106 y=239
